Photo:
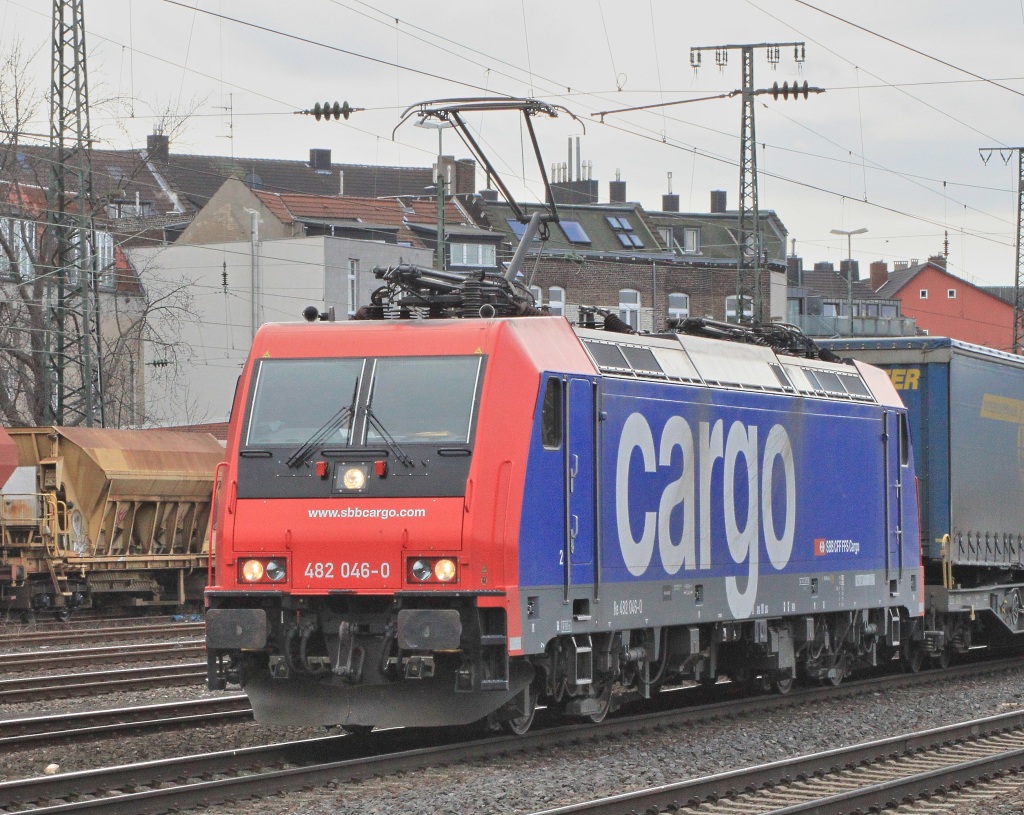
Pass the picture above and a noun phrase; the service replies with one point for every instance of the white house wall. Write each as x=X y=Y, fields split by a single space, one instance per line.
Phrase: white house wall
x=213 y=343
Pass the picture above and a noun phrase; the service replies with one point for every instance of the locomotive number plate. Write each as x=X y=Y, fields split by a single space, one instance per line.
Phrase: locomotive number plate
x=360 y=571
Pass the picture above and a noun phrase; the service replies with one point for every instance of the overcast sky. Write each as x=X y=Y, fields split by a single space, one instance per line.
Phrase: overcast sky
x=913 y=90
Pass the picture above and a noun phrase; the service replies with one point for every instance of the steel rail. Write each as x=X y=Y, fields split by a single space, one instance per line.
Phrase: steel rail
x=34 y=688
x=28 y=639
x=35 y=730
x=898 y=757
x=120 y=654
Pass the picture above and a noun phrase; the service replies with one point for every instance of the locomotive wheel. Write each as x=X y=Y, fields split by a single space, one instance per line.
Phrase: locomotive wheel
x=913 y=659
x=782 y=685
x=942 y=658
x=605 y=699
x=521 y=724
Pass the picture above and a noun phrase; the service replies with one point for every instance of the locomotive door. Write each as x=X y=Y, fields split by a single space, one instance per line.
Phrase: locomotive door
x=895 y=456
x=580 y=480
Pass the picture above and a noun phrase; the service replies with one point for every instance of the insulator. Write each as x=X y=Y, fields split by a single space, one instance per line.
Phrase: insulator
x=773 y=55
x=694 y=58
x=775 y=90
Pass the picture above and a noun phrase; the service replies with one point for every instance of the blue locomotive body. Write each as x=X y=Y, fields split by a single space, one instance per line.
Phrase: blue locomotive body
x=700 y=486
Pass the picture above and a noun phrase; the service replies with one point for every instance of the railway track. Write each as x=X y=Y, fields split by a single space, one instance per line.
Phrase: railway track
x=93 y=657
x=214 y=778
x=59 y=728
x=865 y=778
x=61 y=686
x=27 y=639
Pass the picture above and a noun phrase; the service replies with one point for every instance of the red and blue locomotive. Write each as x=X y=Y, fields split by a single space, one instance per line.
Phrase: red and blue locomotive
x=433 y=521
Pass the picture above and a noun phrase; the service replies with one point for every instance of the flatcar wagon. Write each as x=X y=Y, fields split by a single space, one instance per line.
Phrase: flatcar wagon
x=433 y=521
x=966 y=410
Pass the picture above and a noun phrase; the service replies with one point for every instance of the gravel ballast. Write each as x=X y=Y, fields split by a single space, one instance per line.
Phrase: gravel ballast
x=554 y=777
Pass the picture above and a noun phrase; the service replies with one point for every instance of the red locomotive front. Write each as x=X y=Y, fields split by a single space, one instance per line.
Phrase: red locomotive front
x=366 y=513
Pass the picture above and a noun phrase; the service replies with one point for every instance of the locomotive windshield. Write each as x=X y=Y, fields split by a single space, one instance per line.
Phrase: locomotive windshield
x=424 y=399
x=410 y=399
x=295 y=397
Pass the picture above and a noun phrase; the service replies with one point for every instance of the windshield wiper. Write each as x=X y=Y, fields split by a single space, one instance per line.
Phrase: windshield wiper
x=325 y=430
x=388 y=438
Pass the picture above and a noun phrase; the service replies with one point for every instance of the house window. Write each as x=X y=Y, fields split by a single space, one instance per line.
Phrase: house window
x=105 y=260
x=624 y=232
x=731 y=310
x=353 y=285
x=924 y=294
x=629 y=307
x=691 y=240
x=574 y=232
x=829 y=309
x=668 y=238
x=21 y=237
x=556 y=300
x=951 y=294
x=889 y=311
x=519 y=229
x=473 y=254
x=538 y=296
x=678 y=305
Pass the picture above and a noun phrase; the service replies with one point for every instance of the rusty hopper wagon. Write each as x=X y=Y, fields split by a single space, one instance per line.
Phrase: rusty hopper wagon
x=93 y=517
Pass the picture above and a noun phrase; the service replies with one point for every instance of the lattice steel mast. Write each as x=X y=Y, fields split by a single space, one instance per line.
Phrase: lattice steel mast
x=73 y=367
x=1018 y=297
x=748 y=237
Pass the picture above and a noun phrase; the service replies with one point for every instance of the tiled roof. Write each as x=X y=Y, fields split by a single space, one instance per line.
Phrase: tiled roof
x=1004 y=293
x=394 y=213
x=832 y=284
x=199 y=177
x=898 y=279
x=592 y=220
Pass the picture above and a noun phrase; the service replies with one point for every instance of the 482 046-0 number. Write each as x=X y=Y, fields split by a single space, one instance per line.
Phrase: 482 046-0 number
x=361 y=571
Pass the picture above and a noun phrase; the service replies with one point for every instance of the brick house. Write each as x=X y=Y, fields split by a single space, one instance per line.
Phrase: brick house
x=946 y=305
x=645 y=266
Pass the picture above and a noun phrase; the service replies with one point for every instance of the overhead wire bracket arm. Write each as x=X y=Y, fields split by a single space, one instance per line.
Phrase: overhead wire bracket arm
x=603 y=113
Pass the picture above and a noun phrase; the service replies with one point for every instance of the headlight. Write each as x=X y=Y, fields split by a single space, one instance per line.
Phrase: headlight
x=252 y=570
x=432 y=570
x=353 y=478
x=444 y=570
x=263 y=570
x=275 y=570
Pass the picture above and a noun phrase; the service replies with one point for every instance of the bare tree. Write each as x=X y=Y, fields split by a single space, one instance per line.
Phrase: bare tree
x=128 y=313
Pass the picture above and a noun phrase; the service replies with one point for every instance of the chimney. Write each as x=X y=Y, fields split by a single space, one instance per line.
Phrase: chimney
x=938 y=260
x=617 y=189
x=879 y=274
x=489 y=195
x=158 y=146
x=320 y=159
x=670 y=202
x=849 y=269
x=794 y=271
x=899 y=265
x=465 y=176
x=718 y=200
x=824 y=266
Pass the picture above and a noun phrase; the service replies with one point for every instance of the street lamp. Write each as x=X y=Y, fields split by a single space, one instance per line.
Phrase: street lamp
x=849 y=271
x=440 y=127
